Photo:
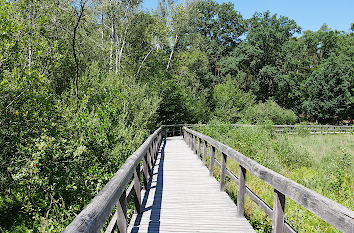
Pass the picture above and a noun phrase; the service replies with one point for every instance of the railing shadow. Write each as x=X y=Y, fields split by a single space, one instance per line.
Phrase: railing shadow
x=154 y=223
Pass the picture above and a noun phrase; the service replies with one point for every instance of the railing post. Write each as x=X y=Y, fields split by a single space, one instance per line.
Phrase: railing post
x=173 y=131
x=223 y=172
x=165 y=132
x=212 y=158
x=145 y=171
x=199 y=146
x=149 y=159
x=204 y=152
x=137 y=188
x=156 y=149
x=278 y=212
x=241 y=191
x=122 y=213
x=192 y=142
x=195 y=145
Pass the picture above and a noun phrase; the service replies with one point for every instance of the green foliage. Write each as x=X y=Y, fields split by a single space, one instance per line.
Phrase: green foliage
x=268 y=111
x=44 y=140
x=329 y=90
x=229 y=100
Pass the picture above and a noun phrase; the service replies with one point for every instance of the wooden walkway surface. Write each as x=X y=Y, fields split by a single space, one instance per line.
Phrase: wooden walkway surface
x=183 y=197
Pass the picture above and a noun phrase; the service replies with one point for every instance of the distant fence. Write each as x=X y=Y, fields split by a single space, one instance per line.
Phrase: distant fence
x=313 y=129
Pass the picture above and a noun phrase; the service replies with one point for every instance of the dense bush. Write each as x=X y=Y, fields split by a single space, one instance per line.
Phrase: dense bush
x=230 y=100
x=268 y=111
x=57 y=154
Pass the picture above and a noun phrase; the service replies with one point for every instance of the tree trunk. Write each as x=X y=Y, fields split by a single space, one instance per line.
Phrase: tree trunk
x=173 y=48
x=141 y=65
x=117 y=52
x=82 y=8
x=112 y=38
x=102 y=29
x=30 y=51
x=120 y=54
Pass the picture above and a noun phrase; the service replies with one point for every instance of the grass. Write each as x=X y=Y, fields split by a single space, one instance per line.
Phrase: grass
x=323 y=163
x=321 y=145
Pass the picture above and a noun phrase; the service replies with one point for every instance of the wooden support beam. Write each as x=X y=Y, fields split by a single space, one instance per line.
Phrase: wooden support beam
x=212 y=160
x=146 y=172
x=122 y=213
x=199 y=147
x=278 y=212
x=241 y=191
x=204 y=152
x=223 y=172
x=137 y=188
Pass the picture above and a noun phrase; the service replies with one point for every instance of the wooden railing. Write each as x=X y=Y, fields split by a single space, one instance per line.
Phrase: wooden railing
x=118 y=191
x=333 y=213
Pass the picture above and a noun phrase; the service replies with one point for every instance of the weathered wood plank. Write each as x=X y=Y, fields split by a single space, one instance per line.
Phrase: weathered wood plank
x=204 y=152
x=137 y=188
x=222 y=172
x=212 y=160
x=122 y=213
x=241 y=191
x=278 y=212
x=184 y=198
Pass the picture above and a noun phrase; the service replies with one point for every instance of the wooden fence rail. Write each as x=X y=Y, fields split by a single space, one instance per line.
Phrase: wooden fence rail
x=313 y=129
x=118 y=191
x=333 y=213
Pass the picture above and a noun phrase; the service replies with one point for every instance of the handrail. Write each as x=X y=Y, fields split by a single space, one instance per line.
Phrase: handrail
x=333 y=213
x=96 y=213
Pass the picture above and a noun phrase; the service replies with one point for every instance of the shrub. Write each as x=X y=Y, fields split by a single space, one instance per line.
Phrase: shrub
x=230 y=100
x=58 y=153
x=268 y=111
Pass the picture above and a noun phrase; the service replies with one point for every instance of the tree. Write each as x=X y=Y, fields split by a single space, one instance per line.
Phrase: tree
x=229 y=100
x=220 y=26
x=259 y=59
x=330 y=90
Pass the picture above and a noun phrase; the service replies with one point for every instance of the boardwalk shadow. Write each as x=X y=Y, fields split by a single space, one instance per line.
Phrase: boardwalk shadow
x=154 y=223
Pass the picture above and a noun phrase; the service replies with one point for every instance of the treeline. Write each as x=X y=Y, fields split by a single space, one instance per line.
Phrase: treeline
x=82 y=84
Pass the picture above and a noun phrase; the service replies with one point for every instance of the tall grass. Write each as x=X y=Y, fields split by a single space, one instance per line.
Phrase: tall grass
x=323 y=163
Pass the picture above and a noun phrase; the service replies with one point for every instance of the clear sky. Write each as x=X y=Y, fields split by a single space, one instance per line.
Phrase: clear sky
x=309 y=14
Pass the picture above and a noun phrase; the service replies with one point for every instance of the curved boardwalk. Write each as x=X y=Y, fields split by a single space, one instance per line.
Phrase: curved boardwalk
x=182 y=197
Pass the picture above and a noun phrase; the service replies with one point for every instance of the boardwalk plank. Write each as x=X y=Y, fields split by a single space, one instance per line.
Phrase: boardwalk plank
x=183 y=197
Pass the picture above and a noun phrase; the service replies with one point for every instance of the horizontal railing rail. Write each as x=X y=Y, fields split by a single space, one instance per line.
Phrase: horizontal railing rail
x=118 y=191
x=333 y=213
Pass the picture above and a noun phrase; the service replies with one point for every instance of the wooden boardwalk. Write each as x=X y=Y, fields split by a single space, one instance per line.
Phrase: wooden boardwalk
x=182 y=197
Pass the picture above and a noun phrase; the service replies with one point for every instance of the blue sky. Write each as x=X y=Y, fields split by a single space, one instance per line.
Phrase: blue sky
x=309 y=14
